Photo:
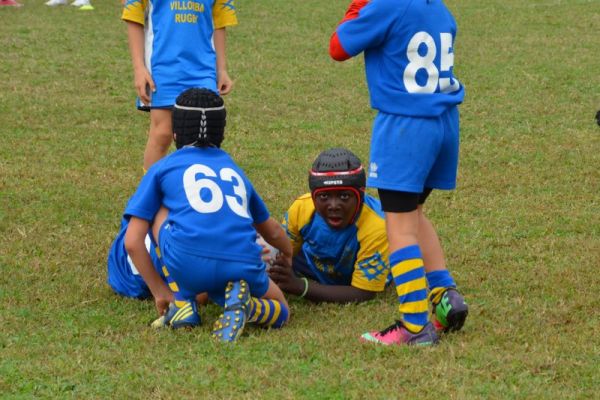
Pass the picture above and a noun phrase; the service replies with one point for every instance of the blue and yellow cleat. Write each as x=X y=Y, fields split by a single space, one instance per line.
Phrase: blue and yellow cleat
x=231 y=323
x=179 y=317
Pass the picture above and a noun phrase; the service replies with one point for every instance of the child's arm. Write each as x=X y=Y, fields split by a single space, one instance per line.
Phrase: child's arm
x=224 y=82
x=274 y=234
x=136 y=248
x=142 y=79
x=288 y=282
x=336 y=51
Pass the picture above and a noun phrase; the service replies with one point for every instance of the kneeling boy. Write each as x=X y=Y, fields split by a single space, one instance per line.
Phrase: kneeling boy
x=208 y=240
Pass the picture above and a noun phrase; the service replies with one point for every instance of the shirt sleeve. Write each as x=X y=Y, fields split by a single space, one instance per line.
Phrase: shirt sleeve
x=135 y=11
x=368 y=29
x=295 y=219
x=371 y=269
x=257 y=207
x=148 y=197
x=224 y=14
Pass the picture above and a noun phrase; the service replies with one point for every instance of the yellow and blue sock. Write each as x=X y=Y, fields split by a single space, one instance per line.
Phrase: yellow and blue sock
x=438 y=282
x=180 y=300
x=411 y=286
x=268 y=313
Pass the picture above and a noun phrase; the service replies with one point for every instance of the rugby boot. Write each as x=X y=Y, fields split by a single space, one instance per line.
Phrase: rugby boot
x=450 y=313
x=230 y=324
x=397 y=334
x=179 y=317
x=10 y=3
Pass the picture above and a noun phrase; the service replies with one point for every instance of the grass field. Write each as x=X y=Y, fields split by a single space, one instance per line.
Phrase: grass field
x=522 y=231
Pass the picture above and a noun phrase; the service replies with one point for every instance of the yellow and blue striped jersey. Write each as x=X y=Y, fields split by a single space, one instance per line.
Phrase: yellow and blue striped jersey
x=356 y=255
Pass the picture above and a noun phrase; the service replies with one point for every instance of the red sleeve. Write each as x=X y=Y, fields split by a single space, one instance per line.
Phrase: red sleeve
x=336 y=51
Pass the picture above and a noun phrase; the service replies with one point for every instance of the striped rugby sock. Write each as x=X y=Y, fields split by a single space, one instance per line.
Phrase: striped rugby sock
x=438 y=282
x=268 y=313
x=409 y=276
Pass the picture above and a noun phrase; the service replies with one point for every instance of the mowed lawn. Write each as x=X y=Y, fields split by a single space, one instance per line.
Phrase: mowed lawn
x=521 y=232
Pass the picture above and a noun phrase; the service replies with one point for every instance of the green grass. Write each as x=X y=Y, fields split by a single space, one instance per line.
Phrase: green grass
x=522 y=232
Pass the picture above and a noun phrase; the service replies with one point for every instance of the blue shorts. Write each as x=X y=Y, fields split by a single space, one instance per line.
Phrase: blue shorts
x=409 y=154
x=197 y=274
x=122 y=275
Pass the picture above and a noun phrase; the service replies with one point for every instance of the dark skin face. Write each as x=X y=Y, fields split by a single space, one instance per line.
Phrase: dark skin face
x=337 y=207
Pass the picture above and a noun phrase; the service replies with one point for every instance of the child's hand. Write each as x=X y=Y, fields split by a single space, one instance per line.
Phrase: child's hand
x=162 y=301
x=144 y=84
x=224 y=82
x=282 y=274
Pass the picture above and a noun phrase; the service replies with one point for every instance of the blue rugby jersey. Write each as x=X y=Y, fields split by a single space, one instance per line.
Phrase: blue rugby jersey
x=179 y=50
x=356 y=255
x=212 y=204
x=123 y=276
x=408 y=47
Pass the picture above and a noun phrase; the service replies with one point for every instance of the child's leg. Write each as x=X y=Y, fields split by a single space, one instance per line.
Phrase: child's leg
x=438 y=277
x=271 y=310
x=449 y=307
x=406 y=263
x=408 y=272
x=183 y=311
x=160 y=136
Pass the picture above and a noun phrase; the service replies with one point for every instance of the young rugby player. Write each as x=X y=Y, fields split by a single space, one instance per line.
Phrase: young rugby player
x=409 y=58
x=340 y=245
x=207 y=242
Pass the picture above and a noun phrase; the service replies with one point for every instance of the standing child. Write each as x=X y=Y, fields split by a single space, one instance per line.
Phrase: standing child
x=409 y=59
x=175 y=45
x=208 y=239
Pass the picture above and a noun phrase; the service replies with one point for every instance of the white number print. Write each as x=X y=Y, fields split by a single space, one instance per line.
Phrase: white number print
x=193 y=187
x=426 y=62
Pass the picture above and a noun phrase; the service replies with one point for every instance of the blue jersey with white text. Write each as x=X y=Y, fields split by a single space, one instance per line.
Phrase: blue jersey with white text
x=179 y=51
x=212 y=204
x=408 y=47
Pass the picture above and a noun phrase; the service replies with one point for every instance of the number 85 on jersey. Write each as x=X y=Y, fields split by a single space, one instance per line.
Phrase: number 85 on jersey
x=421 y=53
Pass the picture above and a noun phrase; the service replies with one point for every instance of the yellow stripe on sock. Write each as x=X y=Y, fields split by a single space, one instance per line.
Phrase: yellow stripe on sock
x=252 y=308
x=157 y=251
x=412 y=327
x=414 y=307
x=276 y=313
x=173 y=286
x=436 y=294
x=411 y=286
x=405 y=266
x=267 y=308
x=257 y=309
x=165 y=271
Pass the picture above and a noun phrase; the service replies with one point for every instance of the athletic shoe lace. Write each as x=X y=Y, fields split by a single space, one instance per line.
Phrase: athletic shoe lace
x=396 y=325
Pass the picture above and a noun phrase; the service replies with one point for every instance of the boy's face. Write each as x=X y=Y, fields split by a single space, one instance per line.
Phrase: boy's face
x=337 y=207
